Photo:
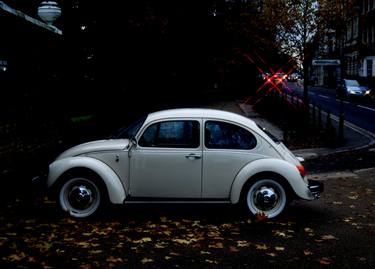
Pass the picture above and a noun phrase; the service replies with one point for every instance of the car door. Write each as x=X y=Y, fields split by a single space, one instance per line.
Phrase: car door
x=228 y=147
x=167 y=162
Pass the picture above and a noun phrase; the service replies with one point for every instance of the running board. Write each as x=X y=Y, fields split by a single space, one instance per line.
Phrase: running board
x=176 y=202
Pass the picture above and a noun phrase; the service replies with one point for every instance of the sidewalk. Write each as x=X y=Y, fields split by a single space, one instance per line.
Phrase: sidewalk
x=355 y=137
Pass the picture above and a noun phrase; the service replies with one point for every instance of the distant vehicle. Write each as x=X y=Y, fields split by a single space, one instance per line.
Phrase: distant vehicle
x=191 y=155
x=351 y=88
x=276 y=78
x=293 y=76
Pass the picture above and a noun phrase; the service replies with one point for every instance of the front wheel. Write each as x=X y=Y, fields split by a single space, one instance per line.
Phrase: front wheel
x=80 y=197
x=266 y=196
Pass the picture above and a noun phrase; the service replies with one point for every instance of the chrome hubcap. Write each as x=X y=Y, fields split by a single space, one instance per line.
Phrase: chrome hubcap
x=266 y=198
x=80 y=197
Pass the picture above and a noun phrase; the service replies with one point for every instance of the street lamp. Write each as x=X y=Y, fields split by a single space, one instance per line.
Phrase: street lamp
x=49 y=12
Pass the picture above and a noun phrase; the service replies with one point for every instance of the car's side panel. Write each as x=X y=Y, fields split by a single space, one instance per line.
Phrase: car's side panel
x=280 y=167
x=114 y=186
x=220 y=167
x=119 y=162
x=165 y=173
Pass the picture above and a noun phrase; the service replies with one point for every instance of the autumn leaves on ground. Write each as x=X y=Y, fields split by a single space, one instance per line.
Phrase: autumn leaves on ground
x=336 y=231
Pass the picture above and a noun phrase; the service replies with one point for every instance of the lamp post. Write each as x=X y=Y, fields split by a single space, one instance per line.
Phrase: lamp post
x=49 y=12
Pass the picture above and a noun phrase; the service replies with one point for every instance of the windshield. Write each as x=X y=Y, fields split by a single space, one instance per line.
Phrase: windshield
x=130 y=131
x=274 y=138
x=351 y=83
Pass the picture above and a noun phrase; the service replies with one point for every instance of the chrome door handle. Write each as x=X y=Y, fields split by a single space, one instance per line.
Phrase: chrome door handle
x=193 y=156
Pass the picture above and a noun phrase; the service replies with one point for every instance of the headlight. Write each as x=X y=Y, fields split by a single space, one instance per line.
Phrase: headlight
x=367 y=92
x=352 y=92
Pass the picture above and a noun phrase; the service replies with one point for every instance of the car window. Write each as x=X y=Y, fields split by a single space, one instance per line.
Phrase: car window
x=171 y=134
x=222 y=135
x=352 y=83
x=130 y=131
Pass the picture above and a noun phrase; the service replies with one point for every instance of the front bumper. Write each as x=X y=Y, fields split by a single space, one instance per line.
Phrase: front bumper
x=316 y=188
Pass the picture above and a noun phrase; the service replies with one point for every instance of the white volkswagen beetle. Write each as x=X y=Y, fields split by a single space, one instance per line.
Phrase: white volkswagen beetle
x=184 y=155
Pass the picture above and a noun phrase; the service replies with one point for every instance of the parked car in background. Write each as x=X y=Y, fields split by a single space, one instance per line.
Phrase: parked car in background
x=351 y=88
x=182 y=155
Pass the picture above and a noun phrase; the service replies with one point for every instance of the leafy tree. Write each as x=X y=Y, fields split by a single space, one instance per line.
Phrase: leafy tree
x=297 y=25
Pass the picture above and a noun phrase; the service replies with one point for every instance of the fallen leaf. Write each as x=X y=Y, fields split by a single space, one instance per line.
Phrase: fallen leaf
x=211 y=261
x=325 y=261
x=114 y=260
x=260 y=216
x=233 y=249
x=307 y=252
x=242 y=244
x=182 y=241
x=94 y=252
x=85 y=266
x=16 y=257
x=146 y=260
x=337 y=203
x=309 y=230
x=142 y=240
x=271 y=254
x=328 y=237
x=167 y=257
x=205 y=253
x=261 y=247
x=161 y=245
x=280 y=248
x=216 y=245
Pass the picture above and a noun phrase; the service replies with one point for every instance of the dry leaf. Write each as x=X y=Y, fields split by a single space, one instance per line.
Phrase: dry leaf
x=260 y=216
x=115 y=260
x=146 y=260
x=280 y=248
x=307 y=252
x=271 y=254
x=261 y=247
x=242 y=244
x=142 y=240
x=233 y=249
x=328 y=237
x=325 y=261
x=216 y=245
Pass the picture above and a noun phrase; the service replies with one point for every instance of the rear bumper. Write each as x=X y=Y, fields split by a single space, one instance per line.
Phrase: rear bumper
x=316 y=188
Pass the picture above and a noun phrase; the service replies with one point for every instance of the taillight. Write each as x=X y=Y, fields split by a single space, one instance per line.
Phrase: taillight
x=301 y=170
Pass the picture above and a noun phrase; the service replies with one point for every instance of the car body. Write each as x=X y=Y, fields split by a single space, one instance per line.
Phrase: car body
x=184 y=155
x=351 y=88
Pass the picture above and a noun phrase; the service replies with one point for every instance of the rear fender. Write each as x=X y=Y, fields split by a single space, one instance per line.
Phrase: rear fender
x=286 y=170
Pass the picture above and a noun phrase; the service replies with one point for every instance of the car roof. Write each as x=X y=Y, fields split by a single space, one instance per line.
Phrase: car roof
x=201 y=113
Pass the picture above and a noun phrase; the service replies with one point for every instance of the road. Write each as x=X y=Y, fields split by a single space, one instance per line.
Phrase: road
x=358 y=112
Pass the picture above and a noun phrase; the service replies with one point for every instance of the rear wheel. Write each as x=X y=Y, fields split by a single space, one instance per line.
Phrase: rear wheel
x=266 y=196
x=80 y=197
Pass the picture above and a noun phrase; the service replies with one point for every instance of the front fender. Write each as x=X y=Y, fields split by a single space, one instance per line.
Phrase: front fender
x=280 y=167
x=112 y=182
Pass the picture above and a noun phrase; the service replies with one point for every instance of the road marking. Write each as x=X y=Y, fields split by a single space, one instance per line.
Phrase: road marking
x=345 y=102
x=324 y=96
x=365 y=107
